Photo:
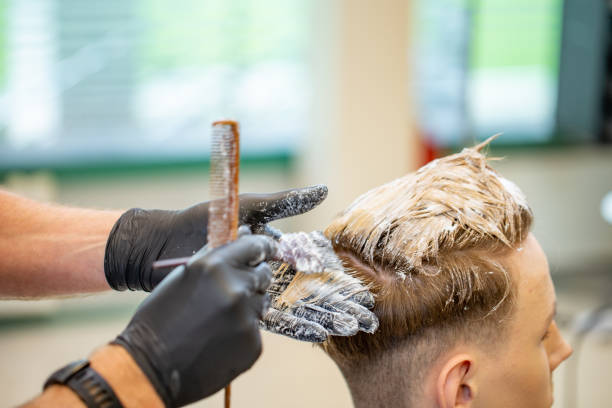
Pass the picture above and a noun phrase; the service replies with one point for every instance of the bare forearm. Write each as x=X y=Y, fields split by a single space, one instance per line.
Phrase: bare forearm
x=50 y=250
x=121 y=373
x=56 y=396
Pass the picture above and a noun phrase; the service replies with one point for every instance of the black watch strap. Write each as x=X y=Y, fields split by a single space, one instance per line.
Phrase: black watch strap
x=86 y=383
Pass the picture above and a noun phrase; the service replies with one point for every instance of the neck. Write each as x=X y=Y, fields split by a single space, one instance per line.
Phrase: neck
x=378 y=389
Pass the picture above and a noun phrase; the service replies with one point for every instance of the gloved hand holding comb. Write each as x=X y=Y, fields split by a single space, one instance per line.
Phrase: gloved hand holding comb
x=141 y=237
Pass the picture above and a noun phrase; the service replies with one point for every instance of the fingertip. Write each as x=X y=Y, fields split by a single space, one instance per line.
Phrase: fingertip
x=372 y=326
x=268 y=244
x=266 y=305
x=316 y=193
x=271 y=232
x=244 y=230
x=294 y=202
x=286 y=324
x=322 y=188
x=364 y=298
x=344 y=325
x=263 y=274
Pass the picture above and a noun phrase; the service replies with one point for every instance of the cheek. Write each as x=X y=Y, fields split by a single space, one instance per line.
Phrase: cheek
x=537 y=368
x=533 y=379
x=522 y=379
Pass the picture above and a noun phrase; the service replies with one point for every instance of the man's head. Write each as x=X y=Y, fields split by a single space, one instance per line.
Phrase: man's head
x=463 y=292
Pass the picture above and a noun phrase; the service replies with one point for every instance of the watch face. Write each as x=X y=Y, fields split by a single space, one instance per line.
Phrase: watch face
x=75 y=368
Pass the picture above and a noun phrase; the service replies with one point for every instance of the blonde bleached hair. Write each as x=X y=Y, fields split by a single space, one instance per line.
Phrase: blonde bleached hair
x=451 y=204
x=430 y=246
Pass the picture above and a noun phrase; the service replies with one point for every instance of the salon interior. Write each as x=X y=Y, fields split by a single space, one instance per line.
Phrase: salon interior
x=109 y=104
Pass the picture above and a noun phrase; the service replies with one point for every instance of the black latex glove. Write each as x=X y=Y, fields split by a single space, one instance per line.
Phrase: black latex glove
x=199 y=329
x=141 y=237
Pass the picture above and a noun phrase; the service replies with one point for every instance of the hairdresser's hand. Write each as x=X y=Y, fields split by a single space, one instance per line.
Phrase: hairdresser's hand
x=141 y=237
x=339 y=309
x=198 y=329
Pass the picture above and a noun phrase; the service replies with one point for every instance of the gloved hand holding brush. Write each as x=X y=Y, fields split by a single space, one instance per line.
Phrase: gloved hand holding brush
x=321 y=299
x=189 y=356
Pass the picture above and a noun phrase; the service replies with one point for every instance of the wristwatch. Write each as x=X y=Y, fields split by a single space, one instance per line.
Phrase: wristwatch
x=86 y=383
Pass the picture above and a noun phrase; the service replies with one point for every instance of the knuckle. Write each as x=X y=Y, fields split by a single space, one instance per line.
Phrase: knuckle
x=212 y=263
x=235 y=310
x=264 y=276
x=265 y=269
x=255 y=241
x=237 y=302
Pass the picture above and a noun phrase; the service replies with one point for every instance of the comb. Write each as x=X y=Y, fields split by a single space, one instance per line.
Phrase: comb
x=223 y=208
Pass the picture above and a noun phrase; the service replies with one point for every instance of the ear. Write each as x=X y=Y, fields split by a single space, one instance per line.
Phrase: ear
x=455 y=387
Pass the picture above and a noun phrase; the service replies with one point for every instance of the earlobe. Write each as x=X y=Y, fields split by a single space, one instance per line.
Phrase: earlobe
x=455 y=386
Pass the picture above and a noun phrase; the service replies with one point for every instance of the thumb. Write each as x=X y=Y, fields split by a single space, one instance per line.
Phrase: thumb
x=264 y=208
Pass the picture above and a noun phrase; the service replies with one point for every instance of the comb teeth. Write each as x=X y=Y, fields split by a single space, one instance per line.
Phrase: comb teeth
x=224 y=162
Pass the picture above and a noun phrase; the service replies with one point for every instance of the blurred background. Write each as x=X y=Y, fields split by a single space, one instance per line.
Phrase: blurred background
x=108 y=104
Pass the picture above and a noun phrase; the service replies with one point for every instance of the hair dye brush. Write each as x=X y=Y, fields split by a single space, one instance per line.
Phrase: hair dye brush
x=307 y=252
